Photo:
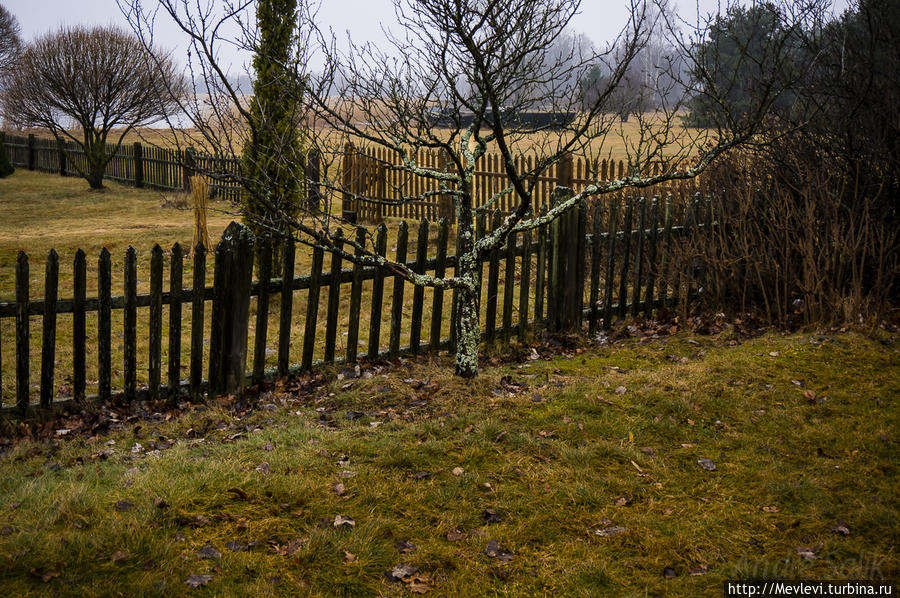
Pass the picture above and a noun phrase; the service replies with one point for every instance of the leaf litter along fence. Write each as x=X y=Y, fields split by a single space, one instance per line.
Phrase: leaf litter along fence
x=591 y=266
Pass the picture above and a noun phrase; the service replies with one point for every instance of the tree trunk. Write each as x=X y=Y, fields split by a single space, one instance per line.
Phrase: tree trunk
x=468 y=334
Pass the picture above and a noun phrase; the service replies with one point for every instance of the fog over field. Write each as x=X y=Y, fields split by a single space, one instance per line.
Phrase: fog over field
x=599 y=20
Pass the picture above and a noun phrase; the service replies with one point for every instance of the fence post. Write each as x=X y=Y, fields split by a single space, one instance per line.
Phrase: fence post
x=61 y=156
x=312 y=173
x=231 y=310
x=188 y=169
x=138 y=164
x=564 y=171
x=29 y=153
x=348 y=209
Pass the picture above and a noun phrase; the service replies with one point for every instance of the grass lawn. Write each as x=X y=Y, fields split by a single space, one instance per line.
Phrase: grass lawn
x=577 y=474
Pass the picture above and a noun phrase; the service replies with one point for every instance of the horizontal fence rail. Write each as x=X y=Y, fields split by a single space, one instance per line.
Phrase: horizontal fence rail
x=596 y=263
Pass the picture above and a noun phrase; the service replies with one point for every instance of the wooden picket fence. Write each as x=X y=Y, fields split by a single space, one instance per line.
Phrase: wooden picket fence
x=135 y=164
x=594 y=264
x=375 y=186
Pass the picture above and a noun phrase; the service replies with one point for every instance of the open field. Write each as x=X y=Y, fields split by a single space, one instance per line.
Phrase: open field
x=583 y=468
x=616 y=145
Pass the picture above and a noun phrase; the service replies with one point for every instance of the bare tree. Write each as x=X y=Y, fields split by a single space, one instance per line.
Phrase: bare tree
x=91 y=86
x=477 y=65
x=10 y=38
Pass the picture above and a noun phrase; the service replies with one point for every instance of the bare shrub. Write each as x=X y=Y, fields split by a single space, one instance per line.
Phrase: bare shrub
x=799 y=240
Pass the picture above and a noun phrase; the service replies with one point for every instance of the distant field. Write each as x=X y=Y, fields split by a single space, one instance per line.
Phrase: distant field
x=617 y=145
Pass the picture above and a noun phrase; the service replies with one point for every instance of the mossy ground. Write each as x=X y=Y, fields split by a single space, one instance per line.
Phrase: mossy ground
x=802 y=429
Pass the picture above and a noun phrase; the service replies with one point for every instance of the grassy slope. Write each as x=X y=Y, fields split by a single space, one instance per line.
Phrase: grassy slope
x=552 y=459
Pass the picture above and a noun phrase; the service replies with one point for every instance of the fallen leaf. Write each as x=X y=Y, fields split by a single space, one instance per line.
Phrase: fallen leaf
x=209 y=552
x=263 y=468
x=606 y=532
x=338 y=488
x=808 y=554
x=405 y=546
x=343 y=521
x=841 y=528
x=491 y=516
x=236 y=546
x=44 y=575
x=421 y=475
x=268 y=446
x=124 y=505
x=400 y=571
x=195 y=581
x=697 y=571
x=349 y=557
x=772 y=509
x=620 y=390
x=623 y=501
x=774 y=353
x=238 y=493
x=119 y=556
x=455 y=535
x=494 y=550
x=669 y=573
x=706 y=464
x=457 y=471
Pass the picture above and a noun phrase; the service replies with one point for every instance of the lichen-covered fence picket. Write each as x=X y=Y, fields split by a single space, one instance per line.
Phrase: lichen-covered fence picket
x=598 y=262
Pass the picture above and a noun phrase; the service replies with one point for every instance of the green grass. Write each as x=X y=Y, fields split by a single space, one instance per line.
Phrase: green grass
x=553 y=459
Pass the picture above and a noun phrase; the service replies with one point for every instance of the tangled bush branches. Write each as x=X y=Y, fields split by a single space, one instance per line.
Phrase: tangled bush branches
x=801 y=239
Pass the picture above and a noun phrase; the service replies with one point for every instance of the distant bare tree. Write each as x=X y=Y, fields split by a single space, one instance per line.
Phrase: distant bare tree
x=91 y=86
x=10 y=38
x=476 y=65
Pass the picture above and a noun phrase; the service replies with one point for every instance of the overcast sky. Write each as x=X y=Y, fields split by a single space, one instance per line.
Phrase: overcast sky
x=600 y=20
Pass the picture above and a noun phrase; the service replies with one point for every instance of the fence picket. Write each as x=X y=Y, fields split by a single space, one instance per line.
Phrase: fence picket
x=104 y=325
x=524 y=284
x=79 y=271
x=23 y=334
x=540 y=274
x=197 y=308
x=355 y=300
x=651 y=258
x=312 y=309
x=490 y=318
x=130 y=323
x=287 y=306
x=415 y=329
x=397 y=307
x=334 y=299
x=665 y=250
x=610 y=263
x=626 y=256
x=377 y=295
x=595 y=268
x=176 y=296
x=509 y=278
x=264 y=272
x=440 y=269
x=48 y=344
x=639 y=259
x=156 y=276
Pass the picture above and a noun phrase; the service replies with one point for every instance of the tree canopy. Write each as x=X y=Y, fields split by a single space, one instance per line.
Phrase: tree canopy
x=91 y=86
